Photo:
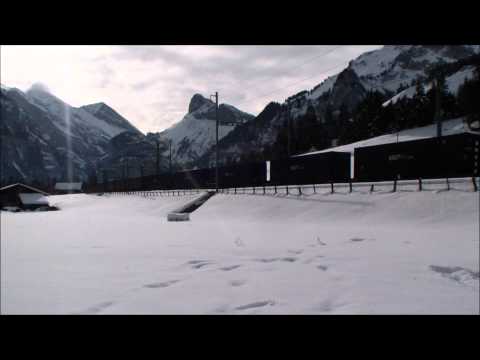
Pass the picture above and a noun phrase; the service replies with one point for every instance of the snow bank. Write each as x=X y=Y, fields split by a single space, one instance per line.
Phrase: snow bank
x=405 y=252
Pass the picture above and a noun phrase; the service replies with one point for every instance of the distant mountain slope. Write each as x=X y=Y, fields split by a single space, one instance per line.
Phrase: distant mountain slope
x=106 y=113
x=44 y=139
x=384 y=70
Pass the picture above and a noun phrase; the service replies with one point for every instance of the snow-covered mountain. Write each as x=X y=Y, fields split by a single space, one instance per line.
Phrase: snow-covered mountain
x=384 y=70
x=195 y=133
x=44 y=138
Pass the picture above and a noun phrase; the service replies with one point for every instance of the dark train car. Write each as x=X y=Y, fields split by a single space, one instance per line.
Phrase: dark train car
x=242 y=175
x=447 y=156
x=311 y=169
x=192 y=179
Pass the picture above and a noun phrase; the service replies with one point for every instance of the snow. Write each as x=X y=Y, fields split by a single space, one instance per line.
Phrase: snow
x=199 y=132
x=325 y=86
x=456 y=80
x=453 y=83
x=80 y=118
x=450 y=127
x=33 y=199
x=383 y=253
x=374 y=62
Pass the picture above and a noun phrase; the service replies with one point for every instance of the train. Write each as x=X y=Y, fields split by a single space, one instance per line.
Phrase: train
x=446 y=156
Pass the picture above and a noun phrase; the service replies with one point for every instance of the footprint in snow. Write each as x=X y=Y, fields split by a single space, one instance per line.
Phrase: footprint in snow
x=161 y=284
x=229 y=268
x=256 y=304
x=456 y=273
x=95 y=309
x=236 y=283
x=296 y=252
x=197 y=264
x=269 y=260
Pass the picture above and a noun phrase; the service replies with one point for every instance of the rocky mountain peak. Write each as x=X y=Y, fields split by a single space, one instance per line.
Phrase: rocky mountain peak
x=197 y=102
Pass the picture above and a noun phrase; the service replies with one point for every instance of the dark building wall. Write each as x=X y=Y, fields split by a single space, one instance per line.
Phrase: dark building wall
x=448 y=156
x=312 y=169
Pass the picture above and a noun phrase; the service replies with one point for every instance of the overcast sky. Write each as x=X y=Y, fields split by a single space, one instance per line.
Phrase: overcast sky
x=151 y=86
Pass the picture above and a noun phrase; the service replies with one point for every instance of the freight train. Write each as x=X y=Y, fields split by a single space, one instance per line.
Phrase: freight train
x=446 y=156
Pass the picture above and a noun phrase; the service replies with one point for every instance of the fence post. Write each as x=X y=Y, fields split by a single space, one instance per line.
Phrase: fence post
x=419 y=184
x=287 y=190
x=371 y=188
x=235 y=190
x=314 y=189
x=475 y=187
x=254 y=189
x=331 y=186
x=394 y=185
x=263 y=189
x=448 y=184
x=350 y=185
x=275 y=189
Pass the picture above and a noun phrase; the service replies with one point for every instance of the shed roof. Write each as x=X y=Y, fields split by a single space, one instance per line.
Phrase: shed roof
x=31 y=188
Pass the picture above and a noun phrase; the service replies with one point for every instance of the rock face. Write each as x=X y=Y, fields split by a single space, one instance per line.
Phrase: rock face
x=197 y=102
x=347 y=90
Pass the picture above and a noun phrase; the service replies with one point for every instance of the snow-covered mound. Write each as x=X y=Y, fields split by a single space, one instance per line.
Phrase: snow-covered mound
x=381 y=253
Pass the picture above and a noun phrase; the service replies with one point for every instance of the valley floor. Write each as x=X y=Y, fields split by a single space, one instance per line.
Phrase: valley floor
x=383 y=253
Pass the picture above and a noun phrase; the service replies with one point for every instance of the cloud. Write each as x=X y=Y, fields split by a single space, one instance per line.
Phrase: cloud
x=152 y=85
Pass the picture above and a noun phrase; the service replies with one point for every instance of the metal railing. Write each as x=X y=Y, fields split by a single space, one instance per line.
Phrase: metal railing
x=443 y=184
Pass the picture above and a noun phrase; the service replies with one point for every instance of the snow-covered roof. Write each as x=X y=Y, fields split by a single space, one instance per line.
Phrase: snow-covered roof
x=33 y=199
x=68 y=186
x=24 y=186
x=450 y=127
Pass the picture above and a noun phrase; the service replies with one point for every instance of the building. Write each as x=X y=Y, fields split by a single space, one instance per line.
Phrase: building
x=438 y=157
x=68 y=187
x=21 y=196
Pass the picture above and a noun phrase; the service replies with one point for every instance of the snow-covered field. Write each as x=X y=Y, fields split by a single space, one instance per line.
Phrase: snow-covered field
x=383 y=253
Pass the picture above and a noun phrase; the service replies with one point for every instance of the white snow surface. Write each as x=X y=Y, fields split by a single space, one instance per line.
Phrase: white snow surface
x=383 y=253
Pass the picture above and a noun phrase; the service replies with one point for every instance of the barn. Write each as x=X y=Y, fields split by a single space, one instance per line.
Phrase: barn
x=446 y=156
x=20 y=196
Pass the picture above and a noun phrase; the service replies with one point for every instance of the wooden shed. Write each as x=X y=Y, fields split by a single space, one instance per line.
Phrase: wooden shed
x=22 y=196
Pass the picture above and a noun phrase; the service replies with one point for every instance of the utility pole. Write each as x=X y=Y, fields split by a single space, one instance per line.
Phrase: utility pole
x=216 y=139
x=289 y=141
x=157 y=170
x=437 y=108
x=170 y=157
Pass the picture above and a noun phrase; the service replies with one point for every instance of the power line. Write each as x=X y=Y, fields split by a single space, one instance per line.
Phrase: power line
x=290 y=85
x=308 y=61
